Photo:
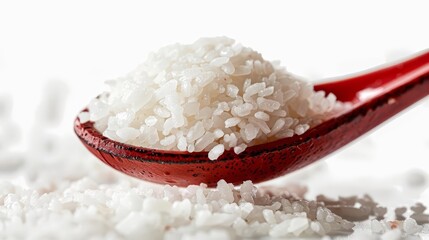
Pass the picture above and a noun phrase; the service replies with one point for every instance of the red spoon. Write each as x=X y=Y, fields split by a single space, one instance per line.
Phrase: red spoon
x=374 y=96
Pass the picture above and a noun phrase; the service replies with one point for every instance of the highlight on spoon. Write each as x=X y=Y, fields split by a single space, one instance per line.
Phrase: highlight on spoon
x=268 y=155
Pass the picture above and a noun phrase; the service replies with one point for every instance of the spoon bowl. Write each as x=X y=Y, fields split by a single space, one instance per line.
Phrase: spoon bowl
x=372 y=98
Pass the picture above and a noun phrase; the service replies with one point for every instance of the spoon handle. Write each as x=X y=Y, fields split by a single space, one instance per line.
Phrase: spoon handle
x=383 y=81
x=375 y=97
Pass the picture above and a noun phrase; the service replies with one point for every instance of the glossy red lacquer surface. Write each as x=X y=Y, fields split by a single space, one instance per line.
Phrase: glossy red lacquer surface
x=375 y=96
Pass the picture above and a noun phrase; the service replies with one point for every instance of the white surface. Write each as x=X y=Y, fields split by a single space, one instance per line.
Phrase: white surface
x=84 y=43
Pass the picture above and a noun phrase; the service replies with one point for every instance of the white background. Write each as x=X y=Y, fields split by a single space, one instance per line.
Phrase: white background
x=84 y=43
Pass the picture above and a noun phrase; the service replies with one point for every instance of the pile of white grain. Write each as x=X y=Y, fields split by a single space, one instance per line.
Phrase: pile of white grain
x=212 y=95
x=87 y=210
